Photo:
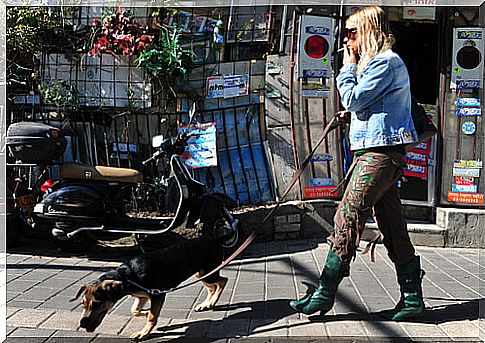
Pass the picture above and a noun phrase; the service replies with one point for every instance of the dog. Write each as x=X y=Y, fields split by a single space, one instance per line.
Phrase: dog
x=162 y=269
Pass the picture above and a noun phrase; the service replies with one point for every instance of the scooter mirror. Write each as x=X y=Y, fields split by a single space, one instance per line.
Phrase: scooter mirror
x=157 y=141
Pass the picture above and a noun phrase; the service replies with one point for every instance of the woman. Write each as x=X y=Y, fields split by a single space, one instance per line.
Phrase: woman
x=374 y=86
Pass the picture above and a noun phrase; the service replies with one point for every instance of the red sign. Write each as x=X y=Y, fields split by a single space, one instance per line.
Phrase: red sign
x=464 y=181
x=319 y=192
x=467 y=198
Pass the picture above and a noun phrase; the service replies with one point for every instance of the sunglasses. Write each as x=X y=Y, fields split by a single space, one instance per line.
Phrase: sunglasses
x=350 y=32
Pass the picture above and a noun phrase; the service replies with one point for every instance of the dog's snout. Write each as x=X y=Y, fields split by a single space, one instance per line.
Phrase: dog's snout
x=84 y=322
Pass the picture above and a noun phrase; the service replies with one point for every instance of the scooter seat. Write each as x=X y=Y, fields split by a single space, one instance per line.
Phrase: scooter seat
x=99 y=173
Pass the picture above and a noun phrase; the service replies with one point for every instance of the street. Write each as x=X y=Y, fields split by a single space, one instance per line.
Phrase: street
x=42 y=279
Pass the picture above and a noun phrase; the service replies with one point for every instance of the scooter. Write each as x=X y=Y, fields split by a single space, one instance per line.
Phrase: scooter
x=91 y=203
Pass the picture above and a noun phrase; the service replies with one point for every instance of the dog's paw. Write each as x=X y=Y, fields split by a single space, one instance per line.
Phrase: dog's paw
x=138 y=335
x=203 y=307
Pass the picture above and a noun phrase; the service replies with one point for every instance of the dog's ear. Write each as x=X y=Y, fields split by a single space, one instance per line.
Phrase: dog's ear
x=113 y=288
x=81 y=290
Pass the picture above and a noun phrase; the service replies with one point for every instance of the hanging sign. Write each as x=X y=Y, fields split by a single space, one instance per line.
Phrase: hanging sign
x=201 y=148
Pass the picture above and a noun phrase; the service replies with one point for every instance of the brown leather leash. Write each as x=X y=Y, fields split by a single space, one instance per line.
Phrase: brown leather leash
x=330 y=126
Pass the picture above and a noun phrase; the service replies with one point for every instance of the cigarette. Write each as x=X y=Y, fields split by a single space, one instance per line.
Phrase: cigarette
x=341 y=49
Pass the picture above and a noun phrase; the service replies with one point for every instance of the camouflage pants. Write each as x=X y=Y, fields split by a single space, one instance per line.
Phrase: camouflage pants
x=372 y=186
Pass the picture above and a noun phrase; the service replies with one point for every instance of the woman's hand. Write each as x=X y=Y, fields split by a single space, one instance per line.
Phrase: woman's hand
x=349 y=55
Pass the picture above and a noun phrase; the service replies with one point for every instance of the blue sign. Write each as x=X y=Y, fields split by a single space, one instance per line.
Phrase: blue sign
x=467 y=102
x=468 y=111
x=317 y=30
x=468 y=84
x=315 y=73
x=470 y=34
x=322 y=158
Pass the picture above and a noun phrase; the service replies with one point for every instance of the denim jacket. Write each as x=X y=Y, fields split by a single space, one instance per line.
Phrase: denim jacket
x=379 y=101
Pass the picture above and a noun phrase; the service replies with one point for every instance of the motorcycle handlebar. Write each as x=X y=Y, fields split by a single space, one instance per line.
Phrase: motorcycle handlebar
x=176 y=146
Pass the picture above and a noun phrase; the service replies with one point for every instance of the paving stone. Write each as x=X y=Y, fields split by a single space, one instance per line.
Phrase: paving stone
x=113 y=324
x=346 y=328
x=23 y=304
x=424 y=331
x=71 y=337
x=19 y=286
x=37 y=294
x=187 y=328
x=59 y=303
x=305 y=328
x=229 y=328
x=29 y=318
x=384 y=330
x=62 y=320
x=29 y=335
x=269 y=328
x=460 y=330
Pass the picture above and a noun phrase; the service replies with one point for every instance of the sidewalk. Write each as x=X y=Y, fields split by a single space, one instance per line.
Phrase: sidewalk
x=254 y=304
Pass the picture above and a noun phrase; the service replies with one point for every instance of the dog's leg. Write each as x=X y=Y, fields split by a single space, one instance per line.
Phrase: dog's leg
x=137 y=307
x=214 y=291
x=152 y=317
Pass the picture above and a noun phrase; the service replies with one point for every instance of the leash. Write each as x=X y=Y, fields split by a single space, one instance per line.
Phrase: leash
x=157 y=292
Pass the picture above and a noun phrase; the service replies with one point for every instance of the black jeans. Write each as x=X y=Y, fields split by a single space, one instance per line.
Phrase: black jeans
x=373 y=186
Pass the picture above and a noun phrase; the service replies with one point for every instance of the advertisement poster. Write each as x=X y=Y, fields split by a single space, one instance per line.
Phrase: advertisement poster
x=201 y=150
x=227 y=86
x=417 y=161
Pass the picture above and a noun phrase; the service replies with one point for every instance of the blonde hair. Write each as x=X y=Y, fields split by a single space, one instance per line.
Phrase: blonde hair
x=373 y=33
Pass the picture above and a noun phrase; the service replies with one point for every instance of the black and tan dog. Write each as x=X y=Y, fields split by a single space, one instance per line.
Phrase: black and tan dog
x=162 y=269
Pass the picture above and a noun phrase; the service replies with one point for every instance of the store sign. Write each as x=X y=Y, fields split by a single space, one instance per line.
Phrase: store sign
x=419 y=13
x=466 y=198
x=321 y=192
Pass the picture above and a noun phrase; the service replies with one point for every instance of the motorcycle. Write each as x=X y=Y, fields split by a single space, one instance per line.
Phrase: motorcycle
x=92 y=203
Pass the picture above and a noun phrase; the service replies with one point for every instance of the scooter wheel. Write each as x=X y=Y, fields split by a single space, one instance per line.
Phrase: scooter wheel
x=76 y=245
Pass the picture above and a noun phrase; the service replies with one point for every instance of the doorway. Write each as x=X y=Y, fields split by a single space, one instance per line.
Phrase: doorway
x=417 y=44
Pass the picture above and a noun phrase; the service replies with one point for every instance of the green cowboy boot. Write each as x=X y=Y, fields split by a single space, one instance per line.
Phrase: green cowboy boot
x=324 y=296
x=411 y=303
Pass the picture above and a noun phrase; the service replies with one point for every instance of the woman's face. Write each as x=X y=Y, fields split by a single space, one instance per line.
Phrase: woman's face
x=351 y=37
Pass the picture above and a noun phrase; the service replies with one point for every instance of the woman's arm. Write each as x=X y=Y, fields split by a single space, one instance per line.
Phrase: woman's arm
x=372 y=85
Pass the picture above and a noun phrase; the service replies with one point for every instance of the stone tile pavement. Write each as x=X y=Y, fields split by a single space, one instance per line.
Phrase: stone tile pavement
x=254 y=306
